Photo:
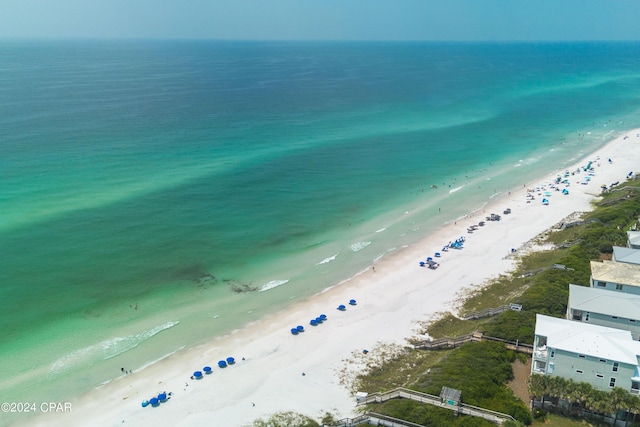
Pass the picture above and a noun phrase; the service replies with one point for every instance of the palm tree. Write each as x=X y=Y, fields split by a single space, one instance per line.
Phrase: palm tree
x=603 y=404
x=573 y=393
x=537 y=387
x=583 y=391
x=634 y=406
x=618 y=399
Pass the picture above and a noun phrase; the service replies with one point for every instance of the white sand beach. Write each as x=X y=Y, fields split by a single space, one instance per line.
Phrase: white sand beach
x=268 y=374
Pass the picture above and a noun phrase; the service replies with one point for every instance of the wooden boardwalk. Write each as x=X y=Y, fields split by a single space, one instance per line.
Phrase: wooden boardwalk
x=403 y=393
x=473 y=337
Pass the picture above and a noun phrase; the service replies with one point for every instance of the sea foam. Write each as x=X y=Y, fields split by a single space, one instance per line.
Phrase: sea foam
x=272 y=284
x=329 y=259
x=453 y=190
x=359 y=246
x=106 y=349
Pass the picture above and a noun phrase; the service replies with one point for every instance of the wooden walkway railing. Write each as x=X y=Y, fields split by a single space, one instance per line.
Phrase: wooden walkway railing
x=462 y=408
x=371 y=418
x=485 y=313
x=473 y=337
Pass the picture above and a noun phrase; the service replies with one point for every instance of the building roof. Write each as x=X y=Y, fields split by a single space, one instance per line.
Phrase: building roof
x=592 y=340
x=628 y=255
x=610 y=303
x=616 y=272
x=633 y=237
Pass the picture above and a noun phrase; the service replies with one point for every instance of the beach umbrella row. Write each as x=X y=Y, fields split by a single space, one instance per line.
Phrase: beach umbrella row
x=298 y=329
x=320 y=319
x=198 y=375
x=226 y=362
x=343 y=307
x=155 y=401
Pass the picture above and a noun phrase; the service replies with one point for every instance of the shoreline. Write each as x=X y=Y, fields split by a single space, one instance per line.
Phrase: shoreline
x=390 y=300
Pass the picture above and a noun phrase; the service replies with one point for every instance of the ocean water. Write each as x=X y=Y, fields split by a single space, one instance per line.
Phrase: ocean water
x=155 y=194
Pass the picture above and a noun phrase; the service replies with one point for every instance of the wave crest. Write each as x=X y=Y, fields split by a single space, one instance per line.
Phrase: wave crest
x=106 y=349
x=272 y=284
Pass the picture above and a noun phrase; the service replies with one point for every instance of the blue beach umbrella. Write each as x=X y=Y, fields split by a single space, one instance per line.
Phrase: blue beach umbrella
x=294 y=331
x=341 y=307
x=222 y=364
x=231 y=360
x=421 y=263
x=300 y=328
x=207 y=369
x=197 y=375
x=162 y=397
x=352 y=302
x=313 y=322
x=319 y=319
x=323 y=316
x=154 y=401
x=145 y=403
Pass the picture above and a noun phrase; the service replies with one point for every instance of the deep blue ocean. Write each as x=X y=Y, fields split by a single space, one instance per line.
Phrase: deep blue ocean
x=154 y=194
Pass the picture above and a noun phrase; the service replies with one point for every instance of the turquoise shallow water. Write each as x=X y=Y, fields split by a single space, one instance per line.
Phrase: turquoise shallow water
x=169 y=175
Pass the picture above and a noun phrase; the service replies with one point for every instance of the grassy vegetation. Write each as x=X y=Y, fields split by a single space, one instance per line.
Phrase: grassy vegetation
x=482 y=370
x=553 y=420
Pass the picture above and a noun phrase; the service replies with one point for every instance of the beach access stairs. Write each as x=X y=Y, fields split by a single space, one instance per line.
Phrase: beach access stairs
x=371 y=418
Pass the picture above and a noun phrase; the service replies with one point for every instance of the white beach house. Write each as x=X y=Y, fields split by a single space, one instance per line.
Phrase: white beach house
x=628 y=255
x=615 y=276
x=601 y=356
x=633 y=239
x=605 y=308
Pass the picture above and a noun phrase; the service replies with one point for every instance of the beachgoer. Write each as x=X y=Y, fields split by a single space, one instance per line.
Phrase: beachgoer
x=122 y=369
